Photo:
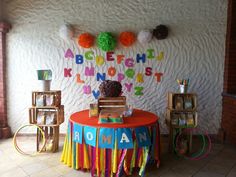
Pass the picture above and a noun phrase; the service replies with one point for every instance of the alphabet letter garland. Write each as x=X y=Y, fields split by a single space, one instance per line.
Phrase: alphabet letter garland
x=125 y=71
x=107 y=136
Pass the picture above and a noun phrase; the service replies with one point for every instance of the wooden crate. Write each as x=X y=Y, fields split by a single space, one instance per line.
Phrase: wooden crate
x=55 y=95
x=170 y=114
x=51 y=136
x=112 y=103
x=172 y=100
x=58 y=111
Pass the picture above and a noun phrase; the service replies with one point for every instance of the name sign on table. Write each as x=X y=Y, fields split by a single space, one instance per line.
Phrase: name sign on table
x=108 y=136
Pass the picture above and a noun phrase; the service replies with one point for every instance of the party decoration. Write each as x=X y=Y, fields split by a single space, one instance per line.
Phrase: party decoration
x=160 y=32
x=96 y=94
x=160 y=56
x=138 y=91
x=142 y=136
x=127 y=38
x=66 y=32
x=86 y=40
x=144 y=36
x=106 y=41
x=141 y=57
x=78 y=79
x=128 y=86
x=89 y=55
x=67 y=72
x=148 y=71
x=87 y=89
x=119 y=68
x=110 y=88
x=129 y=62
x=139 y=78
x=150 y=54
x=120 y=77
x=90 y=134
x=69 y=54
x=106 y=138
x=79 y=59
x=99 y=60
x=158 y=76
x=77 y=133
x=101 y=76
x=89 y=71
x=111 y=71
x=109 y=56
x=124 y=136
x=130 y=73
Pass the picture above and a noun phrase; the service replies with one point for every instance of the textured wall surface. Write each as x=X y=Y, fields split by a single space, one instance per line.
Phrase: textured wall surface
x=194 y=49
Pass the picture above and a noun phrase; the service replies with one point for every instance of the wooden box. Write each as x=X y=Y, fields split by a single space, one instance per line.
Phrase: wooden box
x=46 y=98
x=188 y=119
x=182 y=101
x=52 y=138
x=112 y=103
x=46 y=116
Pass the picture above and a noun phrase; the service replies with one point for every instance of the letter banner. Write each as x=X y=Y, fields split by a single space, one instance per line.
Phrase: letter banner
x=77 y=133
x=90 y=135
x=142 y=136
x=124 y=138
x=106 y=138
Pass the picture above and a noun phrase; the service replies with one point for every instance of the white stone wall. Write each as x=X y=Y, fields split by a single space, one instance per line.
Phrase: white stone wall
x=194 y=49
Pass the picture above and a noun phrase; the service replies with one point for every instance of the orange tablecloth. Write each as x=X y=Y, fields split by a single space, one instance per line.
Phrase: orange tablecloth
x=111 y=161
x=138 y=118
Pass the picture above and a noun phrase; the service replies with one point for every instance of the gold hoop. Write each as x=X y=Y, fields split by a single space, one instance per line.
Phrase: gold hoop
x=17 y=147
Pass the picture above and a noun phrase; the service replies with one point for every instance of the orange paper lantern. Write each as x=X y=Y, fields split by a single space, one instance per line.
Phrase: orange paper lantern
x=127 y=38
x=86 y=40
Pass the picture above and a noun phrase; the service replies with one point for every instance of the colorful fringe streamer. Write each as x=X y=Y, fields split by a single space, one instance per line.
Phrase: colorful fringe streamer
x=106 y=162
x=122 y=158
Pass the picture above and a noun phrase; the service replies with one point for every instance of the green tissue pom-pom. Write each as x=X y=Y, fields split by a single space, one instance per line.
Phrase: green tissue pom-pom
x=106 y=41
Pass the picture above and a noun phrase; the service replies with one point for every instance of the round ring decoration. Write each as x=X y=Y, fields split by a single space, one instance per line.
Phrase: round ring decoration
x=106 y=41
x=127 y=38
x=17 y=147
x=198 y=155
x=86 y=40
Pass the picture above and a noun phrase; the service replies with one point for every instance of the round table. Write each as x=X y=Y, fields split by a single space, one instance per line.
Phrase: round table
x=103 y=161
x=138 y=118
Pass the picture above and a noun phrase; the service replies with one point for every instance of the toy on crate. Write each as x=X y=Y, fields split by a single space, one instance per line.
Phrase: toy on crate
x=45 y=76
x=183 y=85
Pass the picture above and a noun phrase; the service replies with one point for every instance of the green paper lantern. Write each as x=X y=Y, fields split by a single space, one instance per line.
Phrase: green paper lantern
x=106 y=41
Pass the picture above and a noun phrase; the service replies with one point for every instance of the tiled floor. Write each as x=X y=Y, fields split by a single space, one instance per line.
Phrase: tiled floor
x=221 y=162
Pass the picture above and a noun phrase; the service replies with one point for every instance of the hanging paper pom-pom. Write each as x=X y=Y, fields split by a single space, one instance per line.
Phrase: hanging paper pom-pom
x=160 y=32
x=106 y=41
x=86 y=40
x=127 y=38
x=144 y=36
x=66 y=32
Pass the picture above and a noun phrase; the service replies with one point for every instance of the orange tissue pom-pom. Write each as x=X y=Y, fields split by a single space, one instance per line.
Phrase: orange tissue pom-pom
x=86 y=40
x=127 y=38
